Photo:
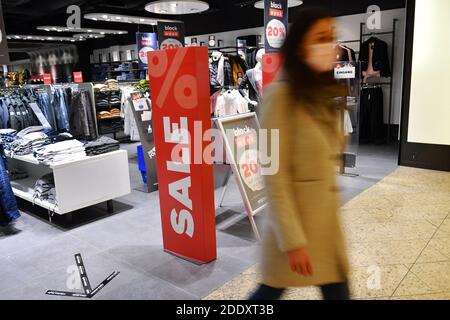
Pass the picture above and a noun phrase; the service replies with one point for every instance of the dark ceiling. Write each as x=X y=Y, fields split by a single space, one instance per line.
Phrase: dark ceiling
x=22 y=16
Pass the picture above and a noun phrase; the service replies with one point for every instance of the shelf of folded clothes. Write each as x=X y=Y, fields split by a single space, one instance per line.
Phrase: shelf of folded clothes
x=26 y=190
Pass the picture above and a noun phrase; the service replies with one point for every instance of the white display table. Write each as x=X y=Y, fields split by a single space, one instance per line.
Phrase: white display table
x=79 y=184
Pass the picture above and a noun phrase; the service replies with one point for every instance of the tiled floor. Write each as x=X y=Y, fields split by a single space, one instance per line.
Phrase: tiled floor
x=36 y=256
x=398 y=235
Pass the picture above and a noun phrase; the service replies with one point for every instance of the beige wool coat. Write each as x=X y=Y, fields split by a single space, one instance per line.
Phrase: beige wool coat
x=303 y=195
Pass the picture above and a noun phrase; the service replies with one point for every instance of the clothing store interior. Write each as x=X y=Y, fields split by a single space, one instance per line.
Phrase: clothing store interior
x=80 y=168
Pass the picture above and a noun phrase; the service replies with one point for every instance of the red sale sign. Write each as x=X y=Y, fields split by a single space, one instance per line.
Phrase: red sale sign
x=271 y=66
x=179 y=82
x=47 y=78
x=78 y=77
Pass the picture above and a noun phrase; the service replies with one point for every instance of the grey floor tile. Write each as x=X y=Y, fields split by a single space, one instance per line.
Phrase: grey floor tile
x=46 y=258
x=200 y=280
x=27 y=235
x=12 y=276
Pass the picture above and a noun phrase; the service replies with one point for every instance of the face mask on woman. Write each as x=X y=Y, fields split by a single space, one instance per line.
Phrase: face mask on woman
x=321 y=57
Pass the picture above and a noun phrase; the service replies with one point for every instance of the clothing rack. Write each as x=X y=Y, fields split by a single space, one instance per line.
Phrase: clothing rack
x=392 y=33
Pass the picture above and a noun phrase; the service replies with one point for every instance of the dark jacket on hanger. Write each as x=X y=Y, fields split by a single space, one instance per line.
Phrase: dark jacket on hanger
x=380 y=59
x=344 y=55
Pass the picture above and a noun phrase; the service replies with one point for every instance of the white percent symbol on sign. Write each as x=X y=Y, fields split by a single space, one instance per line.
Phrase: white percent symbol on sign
x=184 y=87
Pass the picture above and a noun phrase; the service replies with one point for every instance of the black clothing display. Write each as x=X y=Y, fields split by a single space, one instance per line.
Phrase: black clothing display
x=346 y=54
x=372 y=116
x=380 y=58
x=82 y=116
x=101 y=145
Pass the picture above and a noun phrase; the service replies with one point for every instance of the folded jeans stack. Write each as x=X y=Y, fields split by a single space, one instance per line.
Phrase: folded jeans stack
x=101 y=145
x=44 y=189
x=70 y=150
x=7 y=136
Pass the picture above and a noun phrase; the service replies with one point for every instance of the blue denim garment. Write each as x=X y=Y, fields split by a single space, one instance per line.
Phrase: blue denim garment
x=4 y=114
x=8 y=204
x=59 y=104
x=47 y=109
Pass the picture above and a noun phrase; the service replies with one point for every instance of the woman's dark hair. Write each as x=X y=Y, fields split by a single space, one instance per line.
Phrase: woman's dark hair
x=303 y=80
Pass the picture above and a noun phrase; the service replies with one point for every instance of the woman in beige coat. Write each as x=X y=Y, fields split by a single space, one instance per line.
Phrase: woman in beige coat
x=303 y=244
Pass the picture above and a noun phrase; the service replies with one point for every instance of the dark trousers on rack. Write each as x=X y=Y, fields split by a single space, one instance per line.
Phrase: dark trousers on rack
x=372 y=116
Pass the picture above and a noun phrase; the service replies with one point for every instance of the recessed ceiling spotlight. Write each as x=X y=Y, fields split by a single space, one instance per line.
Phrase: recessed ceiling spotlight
x=291 y=4
x=177 y=7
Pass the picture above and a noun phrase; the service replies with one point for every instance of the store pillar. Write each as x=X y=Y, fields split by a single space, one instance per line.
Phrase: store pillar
x=179 y=82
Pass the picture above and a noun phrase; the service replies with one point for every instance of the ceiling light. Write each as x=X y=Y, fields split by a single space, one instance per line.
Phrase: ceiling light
x=42 y=38
x=291 y=4
x=177 y=7
x=81 y=30
x=125 y=18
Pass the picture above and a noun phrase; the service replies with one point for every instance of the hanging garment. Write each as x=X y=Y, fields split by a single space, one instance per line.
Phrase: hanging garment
x=228 y=73
x=230 y=103
x=374 y=58
x=130 y=125
x=82 y=118
x=4 y=115
x=371 y=117
x=213 y=74
x=253 y=82
x=47 y=109
x=8 y=206
x=61 y=110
